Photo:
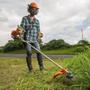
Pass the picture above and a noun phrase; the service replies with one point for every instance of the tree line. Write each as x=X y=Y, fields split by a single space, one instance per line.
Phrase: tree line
x=17 y=44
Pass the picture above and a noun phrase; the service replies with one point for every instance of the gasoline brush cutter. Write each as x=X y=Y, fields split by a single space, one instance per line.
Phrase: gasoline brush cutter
x=19 y=33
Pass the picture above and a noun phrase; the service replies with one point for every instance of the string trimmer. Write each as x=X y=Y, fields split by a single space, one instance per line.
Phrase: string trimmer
x=62 y=70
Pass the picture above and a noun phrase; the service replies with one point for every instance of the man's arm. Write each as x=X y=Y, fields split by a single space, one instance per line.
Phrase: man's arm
x=38 y=26
x=40 y=35
x=23 y=25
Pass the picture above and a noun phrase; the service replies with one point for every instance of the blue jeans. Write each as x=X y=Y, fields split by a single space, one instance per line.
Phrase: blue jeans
x=29 y=54
x=29 y=48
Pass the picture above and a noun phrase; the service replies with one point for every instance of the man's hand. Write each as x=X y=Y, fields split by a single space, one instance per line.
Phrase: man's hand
x=40 y=35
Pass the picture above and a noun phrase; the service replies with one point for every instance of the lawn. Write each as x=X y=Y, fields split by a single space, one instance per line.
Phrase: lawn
x=68 y=51
x=14 y=74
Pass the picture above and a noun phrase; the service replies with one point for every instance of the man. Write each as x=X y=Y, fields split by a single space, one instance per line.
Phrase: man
x=32 y=28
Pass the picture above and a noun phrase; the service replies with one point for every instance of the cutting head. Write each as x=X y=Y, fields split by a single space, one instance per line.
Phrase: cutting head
x=68 y=74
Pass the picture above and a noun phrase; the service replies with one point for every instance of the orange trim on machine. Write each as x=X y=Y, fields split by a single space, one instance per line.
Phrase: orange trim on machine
x=60 y=72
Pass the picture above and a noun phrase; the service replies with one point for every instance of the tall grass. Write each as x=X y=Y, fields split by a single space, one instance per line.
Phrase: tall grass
x=14 y=74
x=80 y=67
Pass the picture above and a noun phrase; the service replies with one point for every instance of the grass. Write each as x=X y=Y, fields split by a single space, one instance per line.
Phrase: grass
x=67 y=51
x=14 y=74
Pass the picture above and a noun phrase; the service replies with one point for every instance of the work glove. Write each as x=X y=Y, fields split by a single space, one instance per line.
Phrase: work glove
x=40 y=35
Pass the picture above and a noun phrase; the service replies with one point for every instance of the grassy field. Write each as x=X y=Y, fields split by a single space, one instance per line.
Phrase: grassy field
x=68 y=51
x=14 y=74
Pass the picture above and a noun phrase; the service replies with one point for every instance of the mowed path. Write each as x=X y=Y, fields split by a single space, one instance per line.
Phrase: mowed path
x=34 y=56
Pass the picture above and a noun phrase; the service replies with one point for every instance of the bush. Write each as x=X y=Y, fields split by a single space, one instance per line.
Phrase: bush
x=83 y=42
x=56 y=44
x=1 y=50
x=13 y=45
x=80 y=49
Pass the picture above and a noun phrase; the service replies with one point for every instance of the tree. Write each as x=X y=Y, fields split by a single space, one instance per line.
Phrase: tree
x=56 y=44
x=83 y=42
x=13 y=45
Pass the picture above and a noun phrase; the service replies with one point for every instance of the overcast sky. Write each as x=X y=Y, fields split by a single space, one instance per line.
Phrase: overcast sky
x=59 y=19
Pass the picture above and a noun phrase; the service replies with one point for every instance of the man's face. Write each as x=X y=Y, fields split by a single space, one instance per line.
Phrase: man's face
x=34 y=11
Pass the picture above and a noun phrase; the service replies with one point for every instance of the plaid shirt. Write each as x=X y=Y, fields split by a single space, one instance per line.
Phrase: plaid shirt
x=31 y=27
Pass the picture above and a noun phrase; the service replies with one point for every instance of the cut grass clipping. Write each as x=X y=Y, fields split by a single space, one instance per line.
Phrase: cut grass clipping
x=14 y=74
